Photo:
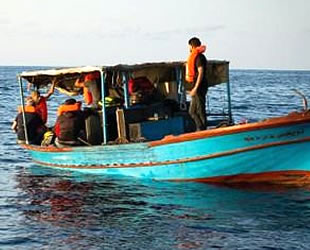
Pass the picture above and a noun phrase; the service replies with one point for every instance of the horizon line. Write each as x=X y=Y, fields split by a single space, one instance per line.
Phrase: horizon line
x=231 y=68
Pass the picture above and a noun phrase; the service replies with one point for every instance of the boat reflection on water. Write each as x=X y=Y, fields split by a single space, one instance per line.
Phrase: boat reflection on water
x=51 y=198
x=127 y=212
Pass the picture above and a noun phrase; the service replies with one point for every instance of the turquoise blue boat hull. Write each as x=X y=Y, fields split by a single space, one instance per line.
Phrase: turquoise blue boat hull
x=276 y=151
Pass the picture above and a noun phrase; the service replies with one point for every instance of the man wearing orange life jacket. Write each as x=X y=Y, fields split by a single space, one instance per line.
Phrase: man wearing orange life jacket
x=40 y=101
x=196 y=67
x=34 y=124
x=70 y=124
x=91 y=90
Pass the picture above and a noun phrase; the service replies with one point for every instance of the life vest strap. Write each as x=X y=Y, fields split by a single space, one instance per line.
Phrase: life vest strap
x=28 y=109
x=68 y=108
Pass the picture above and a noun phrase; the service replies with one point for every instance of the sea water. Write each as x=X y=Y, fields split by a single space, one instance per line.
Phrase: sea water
x=42 y=208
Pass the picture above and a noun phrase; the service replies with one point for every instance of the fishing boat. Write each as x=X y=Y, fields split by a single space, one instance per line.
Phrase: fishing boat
x=152 y=137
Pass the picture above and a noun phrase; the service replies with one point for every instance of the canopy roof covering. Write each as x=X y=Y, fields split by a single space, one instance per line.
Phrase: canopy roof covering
x=58 y=72
x=217 y=72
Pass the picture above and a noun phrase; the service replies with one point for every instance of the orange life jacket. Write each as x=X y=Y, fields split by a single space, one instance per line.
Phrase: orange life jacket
x=92 y=76
x=142 y=84
x=190 y=65
x=88 y=97
x=68 y=108
x=28 y=109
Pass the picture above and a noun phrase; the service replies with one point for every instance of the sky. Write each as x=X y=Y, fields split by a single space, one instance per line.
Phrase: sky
x=251 y=34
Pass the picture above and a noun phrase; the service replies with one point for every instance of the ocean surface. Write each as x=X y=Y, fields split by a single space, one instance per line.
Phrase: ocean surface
x=41 y=208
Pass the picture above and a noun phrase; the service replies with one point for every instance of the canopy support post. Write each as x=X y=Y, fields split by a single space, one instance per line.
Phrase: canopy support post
x=23 y=108
x=104 y=116
x=181 y=88
x=126 y=92
x=228 y=97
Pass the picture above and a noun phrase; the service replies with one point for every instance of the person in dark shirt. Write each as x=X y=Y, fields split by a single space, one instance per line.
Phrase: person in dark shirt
x=196 y=75
x=34 y=124
x=70 y=124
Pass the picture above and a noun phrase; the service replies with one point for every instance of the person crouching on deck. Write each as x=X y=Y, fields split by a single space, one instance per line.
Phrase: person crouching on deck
x=196 y=67
x=70 y=124
x=40 y=101
x=34 y=124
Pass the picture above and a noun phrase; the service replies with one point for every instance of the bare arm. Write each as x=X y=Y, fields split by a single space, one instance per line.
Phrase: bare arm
x=14 y=126
x=198 y=81
x=79 y=83
x=51 y=90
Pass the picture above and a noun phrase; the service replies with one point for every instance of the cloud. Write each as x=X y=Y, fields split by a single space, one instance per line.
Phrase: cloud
x=131 y=32
x=4 y=21
x=213 y=28
x=185 y=31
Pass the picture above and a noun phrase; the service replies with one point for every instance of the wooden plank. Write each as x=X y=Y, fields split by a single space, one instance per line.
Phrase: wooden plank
x=121 y=126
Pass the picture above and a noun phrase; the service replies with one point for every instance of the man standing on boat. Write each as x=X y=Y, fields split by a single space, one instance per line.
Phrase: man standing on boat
x=196 y=67
x=91 y=90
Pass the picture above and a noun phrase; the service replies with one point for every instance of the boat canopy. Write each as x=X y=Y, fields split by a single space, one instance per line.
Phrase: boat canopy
x=217 y=73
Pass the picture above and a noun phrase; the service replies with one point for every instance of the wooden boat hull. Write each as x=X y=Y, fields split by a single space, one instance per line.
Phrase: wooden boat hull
x=276 y=150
